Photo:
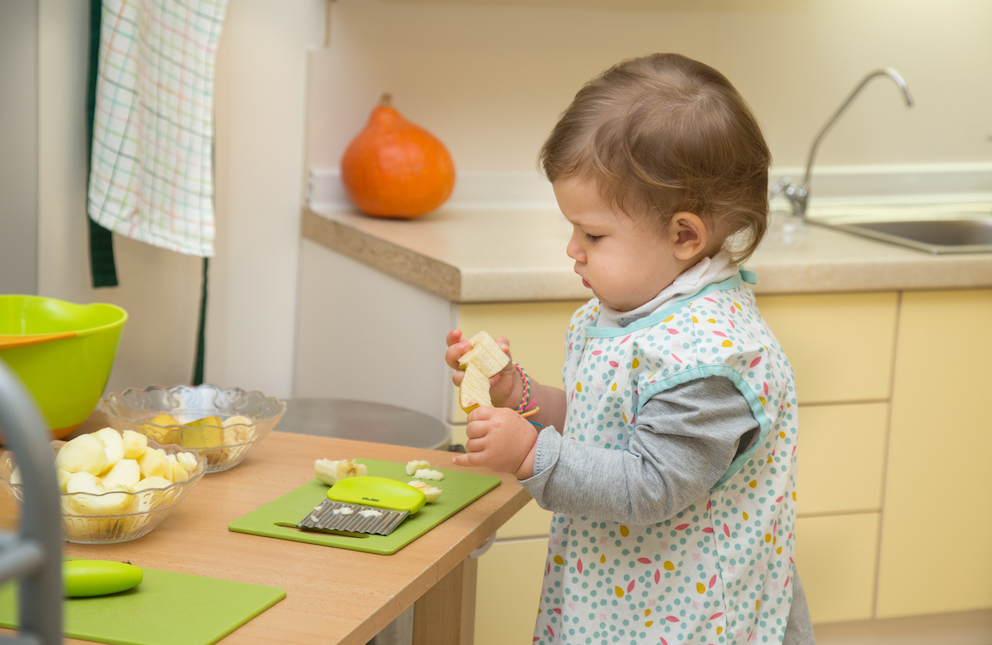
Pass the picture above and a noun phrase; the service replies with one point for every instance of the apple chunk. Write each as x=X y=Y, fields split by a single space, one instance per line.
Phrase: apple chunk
x=207 y=432
x=85 y=453
x=94 y=498
x=125 y=472
x=113 y=444
x=135 y=444
x=152 y=464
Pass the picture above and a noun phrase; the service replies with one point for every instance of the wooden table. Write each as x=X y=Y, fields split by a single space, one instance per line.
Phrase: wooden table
x=332 y=595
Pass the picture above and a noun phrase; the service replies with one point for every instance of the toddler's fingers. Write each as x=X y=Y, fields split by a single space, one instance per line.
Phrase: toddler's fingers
x=464 y=459
x=503 y=343
x=454 y=336
x=481 y=413
x=454 y=352
x=475 y=430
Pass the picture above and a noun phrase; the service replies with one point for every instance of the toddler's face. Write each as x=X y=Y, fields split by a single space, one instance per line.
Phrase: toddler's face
x=625 y=260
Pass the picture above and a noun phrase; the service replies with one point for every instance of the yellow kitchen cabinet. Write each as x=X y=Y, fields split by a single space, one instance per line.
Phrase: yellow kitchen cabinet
x=509 y=591
x=840 y=345
x=836 y=558
x=892 y=508
x=936 y=551
x=843 y=414
x=530 y=521
x=841 y=457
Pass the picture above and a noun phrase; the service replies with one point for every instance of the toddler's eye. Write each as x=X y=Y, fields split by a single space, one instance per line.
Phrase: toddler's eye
x=593 y=238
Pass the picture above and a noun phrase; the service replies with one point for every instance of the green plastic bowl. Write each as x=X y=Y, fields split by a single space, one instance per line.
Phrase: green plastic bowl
x=62 y=352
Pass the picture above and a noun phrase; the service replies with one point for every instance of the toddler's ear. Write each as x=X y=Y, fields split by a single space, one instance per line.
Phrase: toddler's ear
x=687 y=235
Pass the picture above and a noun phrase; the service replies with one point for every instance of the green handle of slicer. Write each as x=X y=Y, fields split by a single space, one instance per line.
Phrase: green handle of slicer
x=379 y=492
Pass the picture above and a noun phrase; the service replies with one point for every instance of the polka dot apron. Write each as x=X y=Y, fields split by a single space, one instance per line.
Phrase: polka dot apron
x=719 y=571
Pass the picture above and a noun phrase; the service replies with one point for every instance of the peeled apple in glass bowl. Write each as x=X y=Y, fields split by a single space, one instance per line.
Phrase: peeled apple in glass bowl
x=394 y=168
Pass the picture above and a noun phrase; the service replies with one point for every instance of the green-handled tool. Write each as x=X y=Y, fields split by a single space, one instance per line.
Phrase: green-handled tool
x=85 y=578
x=365 y=505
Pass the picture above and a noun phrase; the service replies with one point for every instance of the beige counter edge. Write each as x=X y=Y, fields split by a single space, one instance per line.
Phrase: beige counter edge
x=427 y=273
x=790 y=274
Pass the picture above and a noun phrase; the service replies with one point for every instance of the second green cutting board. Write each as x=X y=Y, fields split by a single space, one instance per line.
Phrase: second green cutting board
x=460 y=490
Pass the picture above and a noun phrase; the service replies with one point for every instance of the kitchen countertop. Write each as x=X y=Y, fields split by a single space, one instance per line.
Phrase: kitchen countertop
x=469 y=256
x=332 y=595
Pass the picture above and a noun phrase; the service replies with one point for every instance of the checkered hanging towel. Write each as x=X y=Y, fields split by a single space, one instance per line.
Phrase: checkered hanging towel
x=151 y=167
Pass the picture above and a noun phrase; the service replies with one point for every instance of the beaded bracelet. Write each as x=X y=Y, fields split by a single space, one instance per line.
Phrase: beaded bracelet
x=527 y=407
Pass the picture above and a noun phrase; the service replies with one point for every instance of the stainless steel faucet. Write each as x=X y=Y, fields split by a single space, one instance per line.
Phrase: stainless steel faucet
x=798 y=196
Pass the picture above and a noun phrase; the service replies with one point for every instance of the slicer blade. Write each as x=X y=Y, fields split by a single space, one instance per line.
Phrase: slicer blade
x=337 y=516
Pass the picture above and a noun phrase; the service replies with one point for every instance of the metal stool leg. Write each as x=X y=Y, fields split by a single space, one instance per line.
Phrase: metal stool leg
x=35 y=554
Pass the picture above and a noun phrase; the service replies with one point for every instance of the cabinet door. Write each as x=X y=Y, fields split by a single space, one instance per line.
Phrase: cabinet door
x=509 y=592
x=836 y=560
x=841 y=457
x=840 y=345
x=936 y=553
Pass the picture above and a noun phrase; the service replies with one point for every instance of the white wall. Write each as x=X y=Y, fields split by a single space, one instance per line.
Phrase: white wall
x=490 y=78
x=19 y=147
x=261 y=88
x=259 y=106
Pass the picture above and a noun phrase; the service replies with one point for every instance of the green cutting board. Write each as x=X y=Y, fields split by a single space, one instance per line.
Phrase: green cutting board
x=459 y=490
x=165 y=609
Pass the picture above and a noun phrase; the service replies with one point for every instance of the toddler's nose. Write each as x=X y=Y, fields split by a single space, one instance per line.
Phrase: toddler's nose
x=574 y=249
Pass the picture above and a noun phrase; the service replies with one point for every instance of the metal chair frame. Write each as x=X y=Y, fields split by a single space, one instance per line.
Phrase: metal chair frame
x=34 y=554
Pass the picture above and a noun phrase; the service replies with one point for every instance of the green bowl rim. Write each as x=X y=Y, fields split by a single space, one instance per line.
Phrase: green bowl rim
x=79 y=332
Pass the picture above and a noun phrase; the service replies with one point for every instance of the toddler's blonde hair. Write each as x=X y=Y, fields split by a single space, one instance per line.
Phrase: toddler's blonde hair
x=664 y=134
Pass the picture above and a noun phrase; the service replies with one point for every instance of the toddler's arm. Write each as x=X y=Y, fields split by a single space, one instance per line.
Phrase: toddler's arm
x=683 y=441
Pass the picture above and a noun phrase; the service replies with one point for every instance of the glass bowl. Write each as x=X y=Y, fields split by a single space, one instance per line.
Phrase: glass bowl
x=222 y=425
x=136 y=513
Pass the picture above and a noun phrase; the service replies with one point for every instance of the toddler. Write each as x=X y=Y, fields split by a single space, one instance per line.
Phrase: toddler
x=669 y=459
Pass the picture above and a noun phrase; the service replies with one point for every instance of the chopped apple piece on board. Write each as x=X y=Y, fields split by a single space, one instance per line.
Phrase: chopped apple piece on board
x=329 y=472
x=427 y=473
x=433 y=493
x=415 y=465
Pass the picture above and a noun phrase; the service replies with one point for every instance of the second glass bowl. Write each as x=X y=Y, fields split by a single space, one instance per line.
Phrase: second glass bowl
x=223 y=425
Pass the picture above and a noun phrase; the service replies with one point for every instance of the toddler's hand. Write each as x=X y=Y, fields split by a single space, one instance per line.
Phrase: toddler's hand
x=505 y=387
x=500 y=439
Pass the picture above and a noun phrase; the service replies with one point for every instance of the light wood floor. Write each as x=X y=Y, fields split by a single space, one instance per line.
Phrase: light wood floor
x=969 y=628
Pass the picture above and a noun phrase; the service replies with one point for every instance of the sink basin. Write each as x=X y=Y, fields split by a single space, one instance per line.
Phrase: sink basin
x=936 y=228
x=933 y=236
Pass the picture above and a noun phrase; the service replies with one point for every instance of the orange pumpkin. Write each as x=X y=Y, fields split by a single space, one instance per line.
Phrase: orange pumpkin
x=394 y=168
